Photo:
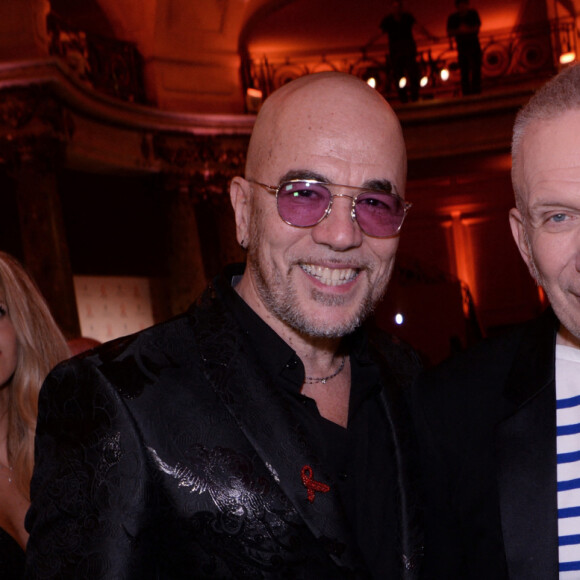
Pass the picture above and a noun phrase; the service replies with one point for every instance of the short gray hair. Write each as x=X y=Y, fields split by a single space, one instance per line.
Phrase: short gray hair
x=559 y=95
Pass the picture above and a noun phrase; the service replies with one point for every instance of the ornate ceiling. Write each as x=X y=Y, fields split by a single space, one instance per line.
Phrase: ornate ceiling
x=193 y=49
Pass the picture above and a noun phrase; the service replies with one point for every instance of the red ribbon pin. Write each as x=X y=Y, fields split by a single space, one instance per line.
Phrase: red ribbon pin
x=311 y=485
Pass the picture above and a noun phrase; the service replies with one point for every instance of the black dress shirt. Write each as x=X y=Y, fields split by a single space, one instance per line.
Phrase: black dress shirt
x=356 y=457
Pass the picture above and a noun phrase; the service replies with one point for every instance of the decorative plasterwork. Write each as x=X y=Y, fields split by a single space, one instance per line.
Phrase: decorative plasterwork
x=40 y=104
x=34 y=127
x=201 y=165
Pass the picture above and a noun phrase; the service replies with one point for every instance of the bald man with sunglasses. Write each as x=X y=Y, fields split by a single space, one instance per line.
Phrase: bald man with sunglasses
x=264 y=433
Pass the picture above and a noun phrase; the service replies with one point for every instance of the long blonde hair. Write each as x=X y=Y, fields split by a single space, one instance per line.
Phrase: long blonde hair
x=41 y=346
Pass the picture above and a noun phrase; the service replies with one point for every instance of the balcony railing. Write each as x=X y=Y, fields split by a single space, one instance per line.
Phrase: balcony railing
x=110 y=66
x=509 y=55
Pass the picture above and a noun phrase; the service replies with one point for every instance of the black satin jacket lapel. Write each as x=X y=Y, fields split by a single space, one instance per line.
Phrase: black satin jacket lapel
x=526 y=458
x=268 y=424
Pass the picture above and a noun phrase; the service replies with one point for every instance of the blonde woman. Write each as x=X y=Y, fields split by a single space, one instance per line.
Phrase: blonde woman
x=30 y=345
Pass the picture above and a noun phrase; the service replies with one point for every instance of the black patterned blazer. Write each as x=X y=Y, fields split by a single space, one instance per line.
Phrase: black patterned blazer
x=168 y=454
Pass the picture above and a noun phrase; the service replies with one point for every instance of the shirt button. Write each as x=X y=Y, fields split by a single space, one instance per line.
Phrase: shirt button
x=343 y=476
x=292 y=364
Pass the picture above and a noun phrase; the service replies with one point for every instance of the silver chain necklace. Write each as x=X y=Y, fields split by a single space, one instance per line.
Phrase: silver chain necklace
x=323 y=380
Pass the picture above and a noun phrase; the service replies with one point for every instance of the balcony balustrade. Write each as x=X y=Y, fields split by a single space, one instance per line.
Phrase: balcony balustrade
x=509 y=56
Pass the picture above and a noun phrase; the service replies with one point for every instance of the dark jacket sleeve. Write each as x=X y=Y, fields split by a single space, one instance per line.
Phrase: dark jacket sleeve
x=89 y=481
x=455 y=410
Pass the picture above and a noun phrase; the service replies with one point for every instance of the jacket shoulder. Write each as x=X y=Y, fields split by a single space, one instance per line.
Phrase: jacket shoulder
x=477 y=376
x=133 y=361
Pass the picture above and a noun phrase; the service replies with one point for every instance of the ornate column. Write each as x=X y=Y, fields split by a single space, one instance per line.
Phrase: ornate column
x=187 y=276
x=33 y=135
x=197 y=172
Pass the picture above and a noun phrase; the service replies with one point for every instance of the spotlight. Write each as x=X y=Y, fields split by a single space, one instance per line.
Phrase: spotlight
x=399 y=318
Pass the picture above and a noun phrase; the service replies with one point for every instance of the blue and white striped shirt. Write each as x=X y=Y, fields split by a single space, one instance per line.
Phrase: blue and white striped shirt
x=568 y=449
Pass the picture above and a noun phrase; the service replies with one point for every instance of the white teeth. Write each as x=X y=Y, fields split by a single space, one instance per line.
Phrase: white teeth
x=330 y=276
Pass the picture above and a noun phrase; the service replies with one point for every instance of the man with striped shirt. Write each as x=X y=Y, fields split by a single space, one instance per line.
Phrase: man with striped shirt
x=500 y=425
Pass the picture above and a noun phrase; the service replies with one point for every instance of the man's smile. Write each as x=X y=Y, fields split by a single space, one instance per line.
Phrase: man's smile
x=331 y=276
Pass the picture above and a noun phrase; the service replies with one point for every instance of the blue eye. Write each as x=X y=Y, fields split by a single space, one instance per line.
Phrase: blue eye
x=559 y=217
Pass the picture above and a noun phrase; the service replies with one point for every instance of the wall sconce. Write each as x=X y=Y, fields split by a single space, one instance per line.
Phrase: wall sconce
x=253 y=100
x=444 y=74
x=402 y=82
x=567 y=57
x=424 y=81
x=372 y=82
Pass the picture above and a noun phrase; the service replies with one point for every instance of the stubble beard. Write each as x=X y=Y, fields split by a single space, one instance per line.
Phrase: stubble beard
x=279 y=296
